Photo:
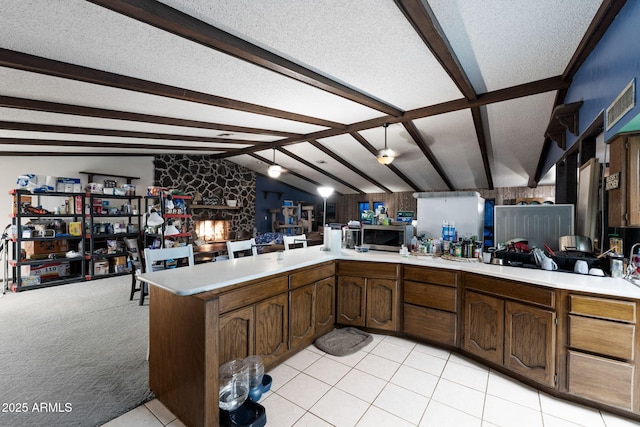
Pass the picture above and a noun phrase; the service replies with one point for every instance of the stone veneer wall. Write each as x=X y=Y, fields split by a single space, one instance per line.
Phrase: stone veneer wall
x=211 y=178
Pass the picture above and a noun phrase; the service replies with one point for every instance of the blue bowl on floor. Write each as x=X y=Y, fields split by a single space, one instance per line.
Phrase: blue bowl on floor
x=266 y=383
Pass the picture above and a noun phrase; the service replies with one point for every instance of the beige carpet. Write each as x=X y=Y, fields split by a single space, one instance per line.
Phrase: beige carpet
x=72 y=355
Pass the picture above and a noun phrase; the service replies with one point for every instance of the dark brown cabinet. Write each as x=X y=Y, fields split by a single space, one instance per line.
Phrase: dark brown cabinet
x=311 y=304
x=254 y=319
x=529 y=342
x=368 y=295
x=601 y=343
x=430 y=304
x=272 y=328
x=624 y=201
x=511 y=324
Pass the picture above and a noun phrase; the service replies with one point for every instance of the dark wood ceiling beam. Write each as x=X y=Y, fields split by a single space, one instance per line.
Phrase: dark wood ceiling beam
x=514 y=92
x=93 y=144
x=176 y=22
x=74 y=130
x=36 y=64
x=482 y=143
x=74 y=154
x=78 y=110
x=421 y=17
x=318 y=169
x=348 y=165
x=422 y=145
x=366 y=144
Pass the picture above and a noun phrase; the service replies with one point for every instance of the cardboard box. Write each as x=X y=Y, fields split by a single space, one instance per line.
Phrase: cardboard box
x=75 y=228
x=100 y=267
x=119 y=264
x=49 y=270
x=42 y=248
x=23 y=200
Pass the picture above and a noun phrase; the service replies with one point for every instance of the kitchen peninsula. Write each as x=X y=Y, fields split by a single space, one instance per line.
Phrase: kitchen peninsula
x=570 y=335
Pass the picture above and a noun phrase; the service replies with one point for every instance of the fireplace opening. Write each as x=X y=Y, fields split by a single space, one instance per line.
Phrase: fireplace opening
x=212 y=230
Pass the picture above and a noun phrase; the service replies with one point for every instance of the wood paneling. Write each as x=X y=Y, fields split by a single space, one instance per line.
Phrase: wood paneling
x=183 y=355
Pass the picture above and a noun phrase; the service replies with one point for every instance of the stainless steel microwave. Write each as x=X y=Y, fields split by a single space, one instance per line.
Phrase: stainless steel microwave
x=386 y=237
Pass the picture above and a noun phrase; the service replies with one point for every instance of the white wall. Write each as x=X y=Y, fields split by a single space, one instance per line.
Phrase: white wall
x=68 y=167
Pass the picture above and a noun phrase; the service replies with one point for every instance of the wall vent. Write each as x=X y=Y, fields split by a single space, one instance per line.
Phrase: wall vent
x=622 y=104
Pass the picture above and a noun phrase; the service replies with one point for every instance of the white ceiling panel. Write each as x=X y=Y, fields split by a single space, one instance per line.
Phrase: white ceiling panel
x=453 y=141
x=353 y=152
x=517 y=132
x=158 y=56
x=56 y=119
x=54 y=89
x=502 y=43
x=367 y=44
x=374 y=48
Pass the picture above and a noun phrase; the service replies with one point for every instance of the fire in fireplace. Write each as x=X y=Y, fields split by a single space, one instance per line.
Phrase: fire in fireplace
x=213 y=230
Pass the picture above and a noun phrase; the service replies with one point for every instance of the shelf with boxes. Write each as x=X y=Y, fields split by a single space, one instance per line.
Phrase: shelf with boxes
x=167 y=218
x=46 y=242
x=109 y=220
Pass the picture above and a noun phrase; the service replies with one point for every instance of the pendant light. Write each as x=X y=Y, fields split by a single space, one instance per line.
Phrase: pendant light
x=275 y=169
x=386 y=156
x=171 y=230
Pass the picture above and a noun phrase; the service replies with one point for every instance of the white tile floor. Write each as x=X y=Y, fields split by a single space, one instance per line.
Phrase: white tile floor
x=397 y=382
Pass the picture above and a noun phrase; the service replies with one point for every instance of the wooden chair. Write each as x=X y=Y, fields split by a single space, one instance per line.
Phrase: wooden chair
x=137 y=268
x=153 y=256
x=300 y=239
x=241 y=245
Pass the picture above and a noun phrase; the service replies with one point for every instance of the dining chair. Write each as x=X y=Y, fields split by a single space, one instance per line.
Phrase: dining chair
x=300 y=239
x=241 y=245
x=137 y=267
x=154 y=256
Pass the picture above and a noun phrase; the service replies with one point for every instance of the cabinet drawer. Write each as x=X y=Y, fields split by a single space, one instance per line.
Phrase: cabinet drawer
x=311 y=275
x=433 y=296
x=602 y=337
x=253 y=293
x=513 y=290
x=603 y=308
x=430 y=324
x=368 y=269
x=601 y=379
x=431 y=275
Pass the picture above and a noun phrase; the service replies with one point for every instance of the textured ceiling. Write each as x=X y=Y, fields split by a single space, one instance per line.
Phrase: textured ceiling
x=467 y=87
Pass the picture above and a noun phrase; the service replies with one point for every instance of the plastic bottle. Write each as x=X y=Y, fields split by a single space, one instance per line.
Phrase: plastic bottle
x=414 y=244
x=445 y=229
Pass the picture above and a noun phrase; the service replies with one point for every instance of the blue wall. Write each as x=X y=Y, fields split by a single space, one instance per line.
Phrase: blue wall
x=272 y=187
x=611 y=66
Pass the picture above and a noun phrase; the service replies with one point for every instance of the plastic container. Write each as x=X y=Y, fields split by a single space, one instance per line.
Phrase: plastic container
x=234 y=385
x=255 y=367
x=249 y=414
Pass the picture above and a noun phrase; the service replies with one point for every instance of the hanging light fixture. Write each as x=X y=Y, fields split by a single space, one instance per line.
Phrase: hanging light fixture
x=275 y=169
x=386 y=155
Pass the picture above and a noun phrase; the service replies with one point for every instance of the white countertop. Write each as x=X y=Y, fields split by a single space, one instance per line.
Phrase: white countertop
x=215 y=275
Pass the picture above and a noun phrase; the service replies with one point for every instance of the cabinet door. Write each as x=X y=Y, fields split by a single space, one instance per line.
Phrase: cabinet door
x=484 y=326
x=236 y=334
x=382 y=304
x=351 y=300
x=272 y=332
x=529 y=342
x=302 y=303
x=325 y=305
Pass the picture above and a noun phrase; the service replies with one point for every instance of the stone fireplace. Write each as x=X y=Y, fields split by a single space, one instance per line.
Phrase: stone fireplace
x=212 y=230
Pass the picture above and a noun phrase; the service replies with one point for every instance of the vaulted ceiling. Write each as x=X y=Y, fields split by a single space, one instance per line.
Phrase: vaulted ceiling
x=467 y=87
